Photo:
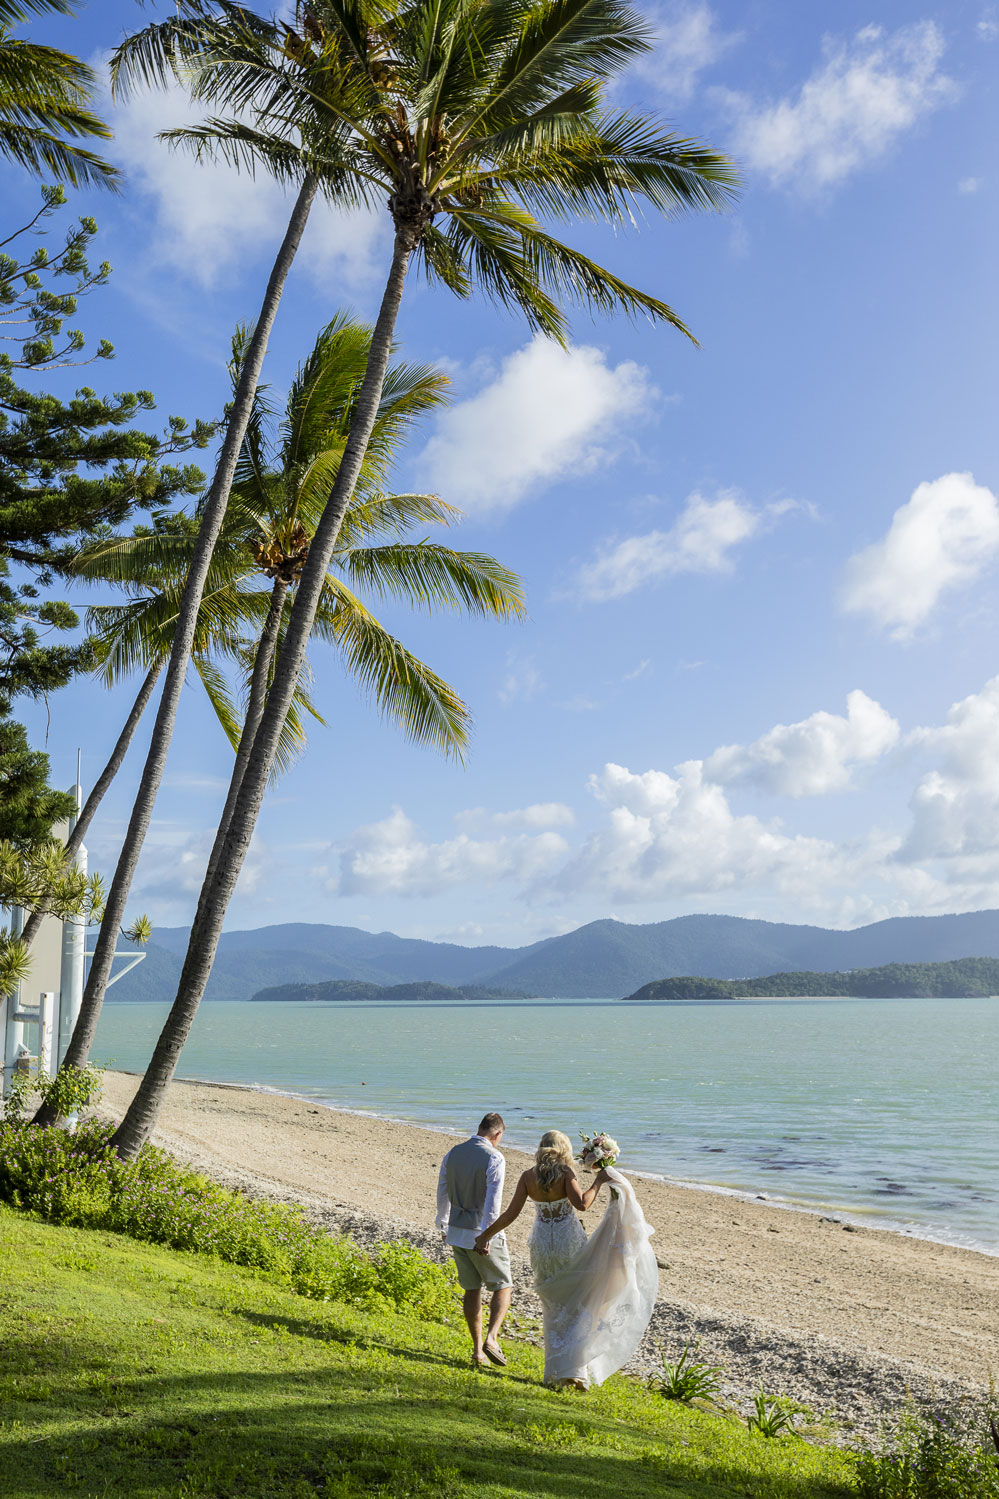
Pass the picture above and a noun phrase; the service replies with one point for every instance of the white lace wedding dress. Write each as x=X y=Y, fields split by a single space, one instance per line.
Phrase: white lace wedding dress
x=597 y=1293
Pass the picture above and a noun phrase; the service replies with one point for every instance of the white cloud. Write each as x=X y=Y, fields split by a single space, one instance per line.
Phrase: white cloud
x=988 y=25
x=522 y=681
x=700 y=541
x=390 y=857
x=955 y=806
x=969 y=184
x=537 y=815
x=944 y=536
x=549 y=413
x=172 y=867
x=208 y=218
x=867 y=92
x=673 y=836
x=810 y=758
x=638 y=671
x=687 y=41
x=673 y=839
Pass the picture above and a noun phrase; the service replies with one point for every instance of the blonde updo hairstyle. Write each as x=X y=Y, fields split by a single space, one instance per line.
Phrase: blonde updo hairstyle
x=551 y=1158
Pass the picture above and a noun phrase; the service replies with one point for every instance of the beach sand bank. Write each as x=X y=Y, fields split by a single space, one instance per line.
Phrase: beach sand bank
x=848 y=1320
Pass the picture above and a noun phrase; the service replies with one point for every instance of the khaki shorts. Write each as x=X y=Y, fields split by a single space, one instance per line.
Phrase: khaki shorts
x=491 y=1270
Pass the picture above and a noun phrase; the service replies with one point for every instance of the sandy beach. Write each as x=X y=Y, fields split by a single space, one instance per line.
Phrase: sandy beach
x=850 y=1320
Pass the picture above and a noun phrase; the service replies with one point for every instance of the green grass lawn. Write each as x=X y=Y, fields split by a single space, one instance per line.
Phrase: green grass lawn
x=132 y=1370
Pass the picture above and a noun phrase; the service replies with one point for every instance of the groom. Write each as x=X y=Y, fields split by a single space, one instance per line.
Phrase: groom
x=469 y=1197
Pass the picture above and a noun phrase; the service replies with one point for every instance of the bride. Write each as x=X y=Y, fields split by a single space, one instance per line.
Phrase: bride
x=597 y=1293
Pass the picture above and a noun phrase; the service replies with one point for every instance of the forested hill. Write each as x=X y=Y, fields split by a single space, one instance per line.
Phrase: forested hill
x=352 y=989
x=966 y=978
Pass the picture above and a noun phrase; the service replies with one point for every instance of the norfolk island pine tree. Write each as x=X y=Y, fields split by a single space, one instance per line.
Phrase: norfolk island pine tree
x=477 y=114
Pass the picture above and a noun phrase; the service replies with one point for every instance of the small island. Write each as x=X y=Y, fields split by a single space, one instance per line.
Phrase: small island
x=423 y=992
x=964 y=978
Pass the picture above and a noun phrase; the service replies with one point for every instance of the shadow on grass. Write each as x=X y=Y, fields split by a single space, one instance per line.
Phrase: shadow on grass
x=323 y=1332
x=323 y=1434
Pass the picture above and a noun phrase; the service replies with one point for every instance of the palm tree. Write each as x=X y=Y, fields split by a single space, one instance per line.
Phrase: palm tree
x=279 y=494
x=465 y=119
x=212 y=514
x=44 y=99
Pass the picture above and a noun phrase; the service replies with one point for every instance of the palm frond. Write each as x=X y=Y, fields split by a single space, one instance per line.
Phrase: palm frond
x=403 y=688
x=219 y=694
x=14 y=11
x=433 y=577
x=375 y=515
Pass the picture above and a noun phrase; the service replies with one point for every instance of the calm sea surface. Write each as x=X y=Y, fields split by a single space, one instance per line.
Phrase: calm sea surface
x=884 y=1111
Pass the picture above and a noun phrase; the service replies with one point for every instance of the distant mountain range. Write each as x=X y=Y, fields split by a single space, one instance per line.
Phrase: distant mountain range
x=603 y=960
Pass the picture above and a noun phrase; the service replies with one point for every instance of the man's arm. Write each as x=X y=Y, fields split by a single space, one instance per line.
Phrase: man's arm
x=443 y=1204
x=495 y=1173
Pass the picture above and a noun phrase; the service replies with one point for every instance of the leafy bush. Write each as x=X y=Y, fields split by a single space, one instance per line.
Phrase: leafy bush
x=688 y=1378
x=70 y=1090
x=77 y=1180
x=947 y=1456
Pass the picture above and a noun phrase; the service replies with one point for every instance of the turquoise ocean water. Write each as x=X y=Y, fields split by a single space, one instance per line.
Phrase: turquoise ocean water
x=882 y=1111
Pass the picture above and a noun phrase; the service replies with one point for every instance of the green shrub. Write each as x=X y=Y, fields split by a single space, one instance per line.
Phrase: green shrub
x=773 y=1415
x=688 y=1378
x=951 y=1455
x=77 y=1180
x=70 y=1090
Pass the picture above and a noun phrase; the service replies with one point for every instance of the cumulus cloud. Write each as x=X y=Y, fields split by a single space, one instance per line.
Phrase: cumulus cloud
x=172 y=867
x=687 y=41
x=701 y=540
x=955 y=806
x=537 y=815
x=676 y=836
x=812 y=757
x=208 y=218
x=865 y=95
x=669 y=838
x=943 y=537
x=390 y=857
x=547 y=414
x=969 y=184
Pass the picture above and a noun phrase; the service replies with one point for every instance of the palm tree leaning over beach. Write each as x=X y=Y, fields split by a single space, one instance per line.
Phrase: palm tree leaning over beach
x=316 y=175
x=469 y=114
x=45 y=100
x=279 y=493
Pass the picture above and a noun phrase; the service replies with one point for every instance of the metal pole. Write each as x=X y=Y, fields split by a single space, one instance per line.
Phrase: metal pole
x=71 y=972
x=46 y=1010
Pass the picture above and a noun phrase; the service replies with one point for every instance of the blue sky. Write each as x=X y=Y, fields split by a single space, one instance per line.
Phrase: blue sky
x=759 y=674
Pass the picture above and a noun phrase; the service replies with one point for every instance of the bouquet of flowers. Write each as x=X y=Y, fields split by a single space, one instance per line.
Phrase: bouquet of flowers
x=599 y=1151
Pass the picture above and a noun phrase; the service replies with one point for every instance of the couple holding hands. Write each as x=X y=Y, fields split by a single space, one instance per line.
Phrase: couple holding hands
x=597 y=1293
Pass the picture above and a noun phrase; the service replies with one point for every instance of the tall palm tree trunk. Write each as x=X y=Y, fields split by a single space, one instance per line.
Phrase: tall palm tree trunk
x=101 y=785
x=81 y=1041
x=255 y=701
x=228 y=857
